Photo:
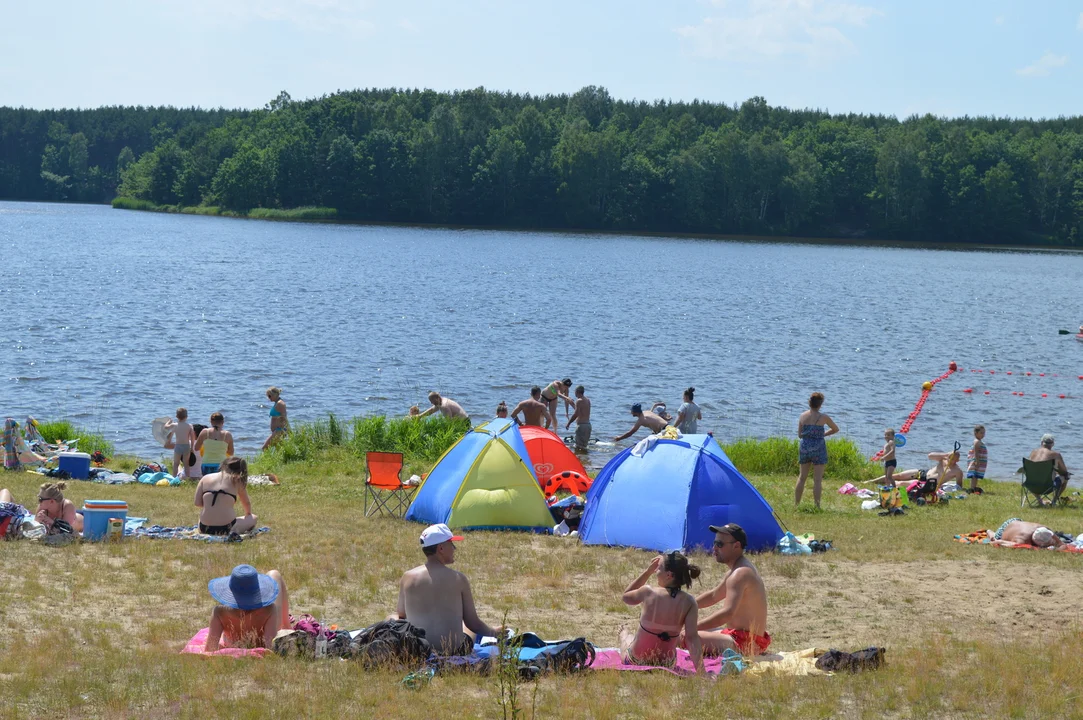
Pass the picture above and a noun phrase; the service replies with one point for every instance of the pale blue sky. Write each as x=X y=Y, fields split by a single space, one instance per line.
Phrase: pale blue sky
x=947 y=57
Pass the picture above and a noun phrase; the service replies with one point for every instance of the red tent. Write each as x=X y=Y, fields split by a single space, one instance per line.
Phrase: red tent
x=548 y=454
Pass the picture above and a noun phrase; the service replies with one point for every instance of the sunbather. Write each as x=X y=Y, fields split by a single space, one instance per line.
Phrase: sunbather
x=55 y=512
x=946 y=469
x=668 y=612
x=437 y=599
x=254 y=607
x=1017 y=532
x=218 y=494
x=741 y=623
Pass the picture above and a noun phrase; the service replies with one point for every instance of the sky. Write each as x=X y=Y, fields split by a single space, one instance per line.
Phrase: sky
x=895 y=57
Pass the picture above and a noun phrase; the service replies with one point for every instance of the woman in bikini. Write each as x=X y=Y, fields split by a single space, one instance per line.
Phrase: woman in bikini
x=214 y=444
x=553 y=392
x=218 y=493
x=280 y=424
x=667 y=612
x=812 y=454
x=55 y=512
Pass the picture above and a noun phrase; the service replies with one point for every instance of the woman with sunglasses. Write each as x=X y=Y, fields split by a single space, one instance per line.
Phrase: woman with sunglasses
x=667 y=612
x=53 y=508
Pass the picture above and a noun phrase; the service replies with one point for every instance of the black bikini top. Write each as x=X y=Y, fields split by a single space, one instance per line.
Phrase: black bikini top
x=216 y=493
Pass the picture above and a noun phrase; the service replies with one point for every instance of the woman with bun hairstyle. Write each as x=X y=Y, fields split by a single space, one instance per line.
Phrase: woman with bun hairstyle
x=667 y=612
x=55 y=512
x=812 y=453
x=688 y=414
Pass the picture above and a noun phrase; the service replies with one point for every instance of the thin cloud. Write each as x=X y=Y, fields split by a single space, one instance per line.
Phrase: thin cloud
x=1044 y=66
x=999 y=19
x=323 y=16
x=762 y=29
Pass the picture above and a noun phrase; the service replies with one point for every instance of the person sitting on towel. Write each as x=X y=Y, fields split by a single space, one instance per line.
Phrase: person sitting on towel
x=1017 y=532
x=741 y=623
x=218 y=493
x=649 y=420
x=438 y=600
x=253 y=608
x=667 y=612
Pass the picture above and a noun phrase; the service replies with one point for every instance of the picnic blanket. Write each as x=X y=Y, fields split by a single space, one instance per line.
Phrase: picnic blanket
x=981 y=537
x=800 y=662
x=191 y=532
x=198 y=642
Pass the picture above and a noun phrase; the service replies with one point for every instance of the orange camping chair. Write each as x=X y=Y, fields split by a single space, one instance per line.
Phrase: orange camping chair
x=386 y=492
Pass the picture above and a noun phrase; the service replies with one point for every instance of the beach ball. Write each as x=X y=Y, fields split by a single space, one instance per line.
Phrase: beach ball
x=900 y=440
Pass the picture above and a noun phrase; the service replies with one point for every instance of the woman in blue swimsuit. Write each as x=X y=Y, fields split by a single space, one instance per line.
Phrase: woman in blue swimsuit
x=813 y=450
x=280 y=425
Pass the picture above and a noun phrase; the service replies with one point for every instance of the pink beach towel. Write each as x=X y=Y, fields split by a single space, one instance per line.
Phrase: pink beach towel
x=199 y=641
x=610 y=659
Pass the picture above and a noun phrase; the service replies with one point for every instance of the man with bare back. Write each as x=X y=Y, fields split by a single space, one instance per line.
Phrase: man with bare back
x=534 y=411
x=581 y=417
x=438 y=600
x=741 y=622
x=650 y=420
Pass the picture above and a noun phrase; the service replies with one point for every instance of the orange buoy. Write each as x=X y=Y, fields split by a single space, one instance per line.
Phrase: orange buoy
x=968 y=390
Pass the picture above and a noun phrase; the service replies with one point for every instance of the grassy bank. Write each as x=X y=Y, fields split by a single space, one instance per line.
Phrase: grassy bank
x=300 y=213
x=55 y=431
x=95 y=630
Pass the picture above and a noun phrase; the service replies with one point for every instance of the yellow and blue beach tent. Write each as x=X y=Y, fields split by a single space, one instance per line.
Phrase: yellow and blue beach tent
x=484 y=481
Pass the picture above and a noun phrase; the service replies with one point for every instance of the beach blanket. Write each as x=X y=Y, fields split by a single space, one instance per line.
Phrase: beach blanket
x=981 y=537
x=191 y=532
x=801 y=662
x=199 y=641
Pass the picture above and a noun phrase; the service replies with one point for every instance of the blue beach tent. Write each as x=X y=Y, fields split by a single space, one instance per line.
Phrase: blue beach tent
x=484 y=481
x=668 y=498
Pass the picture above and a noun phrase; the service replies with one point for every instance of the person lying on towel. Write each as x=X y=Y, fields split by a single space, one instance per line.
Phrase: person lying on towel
x=741 y=623
x=1017 y=532
x=668 y=611
x=254 y=607
x=438 y=600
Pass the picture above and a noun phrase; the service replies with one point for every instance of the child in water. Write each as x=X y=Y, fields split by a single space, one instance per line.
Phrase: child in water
x=976 y=460
x=888 y=455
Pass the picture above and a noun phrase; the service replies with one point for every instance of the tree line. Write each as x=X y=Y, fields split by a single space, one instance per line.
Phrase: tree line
x=584 y=161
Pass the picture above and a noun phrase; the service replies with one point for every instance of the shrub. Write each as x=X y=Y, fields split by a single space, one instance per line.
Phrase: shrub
x=127 y=203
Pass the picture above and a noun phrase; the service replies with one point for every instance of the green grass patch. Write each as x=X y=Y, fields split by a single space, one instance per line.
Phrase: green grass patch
x=778 y=456
x=301 y=213
x=127 y=203
x=56 y=431
x=309 y=213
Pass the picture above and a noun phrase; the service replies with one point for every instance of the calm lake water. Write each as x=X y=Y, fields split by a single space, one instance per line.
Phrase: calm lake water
x=112 y=318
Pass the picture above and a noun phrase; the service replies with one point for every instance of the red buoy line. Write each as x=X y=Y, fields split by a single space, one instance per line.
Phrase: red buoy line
x=1022 y=373
x=926 y=388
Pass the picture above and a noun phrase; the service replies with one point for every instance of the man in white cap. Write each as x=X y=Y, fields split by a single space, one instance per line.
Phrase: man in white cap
x=437 y=599
x=1019 y=532
x=1060 y=470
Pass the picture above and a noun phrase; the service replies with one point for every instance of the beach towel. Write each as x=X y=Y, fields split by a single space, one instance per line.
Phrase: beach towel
x=199 y=641
x=801 y=662
x=191 y=532
x=155 y=478
x=158 y=431
x=981 y=537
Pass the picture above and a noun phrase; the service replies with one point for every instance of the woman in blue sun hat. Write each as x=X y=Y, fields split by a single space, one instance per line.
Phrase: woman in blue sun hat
x=253 y=608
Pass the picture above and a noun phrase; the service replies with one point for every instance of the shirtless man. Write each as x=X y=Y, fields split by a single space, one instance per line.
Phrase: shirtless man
x=581 y=417
x=741 y=623
x=437 y=599
x=534 y=411
x=448 y=407
x=254 y=607
x=946 y=469
x=1060 y=470
x=1017 y=532
x=649 y=420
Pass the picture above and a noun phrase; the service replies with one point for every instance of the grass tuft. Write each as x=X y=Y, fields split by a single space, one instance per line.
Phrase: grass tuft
x=56 y=431
x=778 y=456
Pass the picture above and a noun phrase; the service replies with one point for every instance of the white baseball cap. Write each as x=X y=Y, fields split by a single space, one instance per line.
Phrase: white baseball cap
x=1043 y=537
x=436 y=534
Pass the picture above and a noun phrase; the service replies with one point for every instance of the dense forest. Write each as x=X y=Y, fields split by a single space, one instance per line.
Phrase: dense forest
x=569 y=161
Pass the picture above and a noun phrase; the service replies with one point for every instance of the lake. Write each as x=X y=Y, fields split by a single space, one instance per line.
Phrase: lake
x=112 y=318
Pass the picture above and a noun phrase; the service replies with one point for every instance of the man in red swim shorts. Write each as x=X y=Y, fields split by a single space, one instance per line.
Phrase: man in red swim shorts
x=741 y=623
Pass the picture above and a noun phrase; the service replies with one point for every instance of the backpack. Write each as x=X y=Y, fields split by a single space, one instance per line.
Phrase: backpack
x=836 y=660
x=391 y=642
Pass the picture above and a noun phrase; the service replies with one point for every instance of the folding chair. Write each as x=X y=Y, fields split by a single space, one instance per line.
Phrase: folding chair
x=1037 y=484
x=385 y=491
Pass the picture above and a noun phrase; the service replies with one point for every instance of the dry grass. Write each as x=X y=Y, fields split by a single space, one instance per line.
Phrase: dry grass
x=94 y=630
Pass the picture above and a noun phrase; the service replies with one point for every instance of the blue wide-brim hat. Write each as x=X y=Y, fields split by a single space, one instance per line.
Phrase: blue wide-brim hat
x=244 y=589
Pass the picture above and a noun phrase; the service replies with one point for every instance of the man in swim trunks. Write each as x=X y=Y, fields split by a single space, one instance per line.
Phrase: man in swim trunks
x=253 y=608
x=649 y=420
x=438 y=600
x=741 y=623
x=534 y=411
x=581 y=416
x=1060 y=470
x=1017 y=532
x=447 y=407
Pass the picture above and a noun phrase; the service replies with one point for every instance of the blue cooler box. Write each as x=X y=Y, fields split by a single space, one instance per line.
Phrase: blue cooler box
x=75 y=464
x=96 y=519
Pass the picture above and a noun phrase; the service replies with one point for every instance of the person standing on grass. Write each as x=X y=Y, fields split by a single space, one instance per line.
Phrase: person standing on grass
x=581 y=417
x=977 y=458
x=812 y=454
x=887 y=454
x=447 y=407
x=253 y=608
x=438 y=600
x=280 y=424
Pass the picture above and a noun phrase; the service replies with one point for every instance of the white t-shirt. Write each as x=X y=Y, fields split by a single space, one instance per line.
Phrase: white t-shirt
x=690 y=426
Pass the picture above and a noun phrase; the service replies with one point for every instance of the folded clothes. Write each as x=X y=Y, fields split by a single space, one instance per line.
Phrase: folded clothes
x=198 y=642
x=192 y=533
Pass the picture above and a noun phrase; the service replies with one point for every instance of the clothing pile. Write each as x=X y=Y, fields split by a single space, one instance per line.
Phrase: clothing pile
x=192 y=533
x=790 y=544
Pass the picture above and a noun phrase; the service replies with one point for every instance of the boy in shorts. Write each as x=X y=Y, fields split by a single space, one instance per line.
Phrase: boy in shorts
x=976 y=460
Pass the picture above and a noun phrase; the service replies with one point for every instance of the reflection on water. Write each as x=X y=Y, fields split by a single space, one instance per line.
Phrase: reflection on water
x=113 y=318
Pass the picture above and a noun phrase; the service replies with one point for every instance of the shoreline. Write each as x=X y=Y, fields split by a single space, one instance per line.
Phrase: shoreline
x=775 y=239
